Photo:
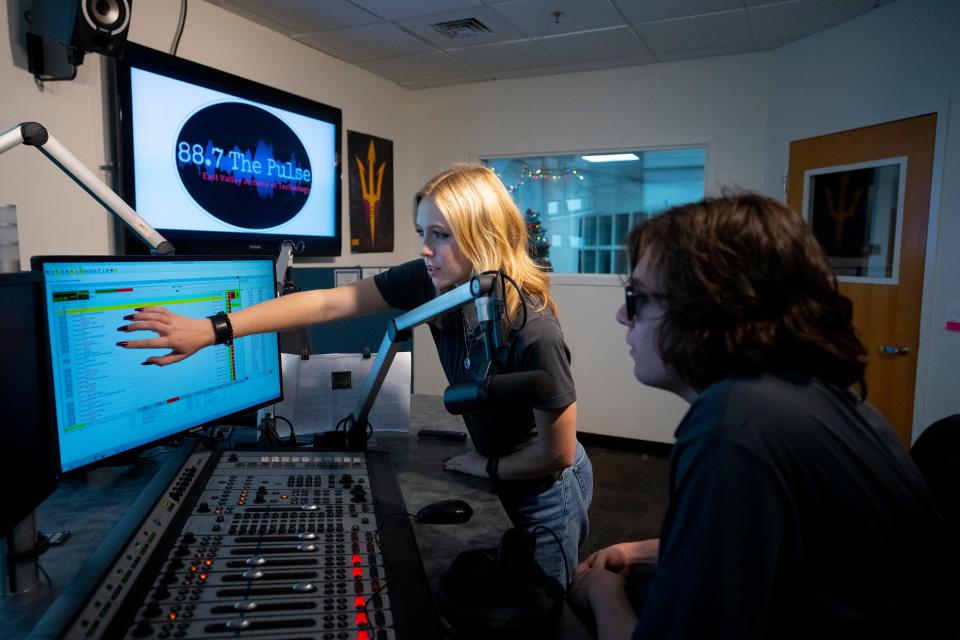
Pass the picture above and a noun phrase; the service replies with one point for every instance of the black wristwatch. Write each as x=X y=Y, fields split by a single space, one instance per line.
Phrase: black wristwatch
x=222 y=328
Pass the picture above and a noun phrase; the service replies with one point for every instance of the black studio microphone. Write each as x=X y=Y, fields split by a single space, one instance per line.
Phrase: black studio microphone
x=525 y=388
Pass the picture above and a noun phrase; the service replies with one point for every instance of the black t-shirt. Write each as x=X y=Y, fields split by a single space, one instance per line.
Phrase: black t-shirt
x=539 y=345
x=794 y=513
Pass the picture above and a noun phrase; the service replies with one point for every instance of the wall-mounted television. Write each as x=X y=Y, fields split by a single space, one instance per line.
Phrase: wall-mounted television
x=220 y=164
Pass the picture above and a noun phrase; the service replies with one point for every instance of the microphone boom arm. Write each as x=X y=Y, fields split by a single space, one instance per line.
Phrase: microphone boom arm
x=399 y=329
x=33 y=134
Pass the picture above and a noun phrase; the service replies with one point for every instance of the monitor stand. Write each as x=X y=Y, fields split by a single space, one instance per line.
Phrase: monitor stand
x=19 y=576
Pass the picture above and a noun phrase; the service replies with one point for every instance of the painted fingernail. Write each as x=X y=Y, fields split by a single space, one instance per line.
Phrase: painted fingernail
x=123 y=328
x=146 y=362
x=130 y=317
x=122 y=344
x=138 y=309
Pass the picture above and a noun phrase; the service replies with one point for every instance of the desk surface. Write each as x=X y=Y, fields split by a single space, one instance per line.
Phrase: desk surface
x=89 y=507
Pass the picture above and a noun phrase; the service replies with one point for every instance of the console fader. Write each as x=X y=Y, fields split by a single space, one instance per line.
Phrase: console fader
x=268 y=544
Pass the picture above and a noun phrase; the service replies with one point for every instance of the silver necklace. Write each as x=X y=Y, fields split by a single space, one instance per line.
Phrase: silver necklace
x=468 y=339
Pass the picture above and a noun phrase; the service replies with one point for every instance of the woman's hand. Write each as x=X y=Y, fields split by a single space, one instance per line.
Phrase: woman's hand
x=471 y=463
x=618 y=557
x=182 y=335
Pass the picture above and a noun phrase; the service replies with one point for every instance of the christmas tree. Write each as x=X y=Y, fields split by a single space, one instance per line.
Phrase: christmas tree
x=537 y=244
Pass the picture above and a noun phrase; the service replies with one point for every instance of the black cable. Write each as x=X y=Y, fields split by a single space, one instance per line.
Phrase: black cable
x=293 y=436
x=180 y=24
x=45 y=574
x=566 y=567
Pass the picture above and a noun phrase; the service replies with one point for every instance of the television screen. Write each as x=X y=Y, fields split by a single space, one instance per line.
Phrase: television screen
x=107 y=403
x=29 y=474
x=220 y=164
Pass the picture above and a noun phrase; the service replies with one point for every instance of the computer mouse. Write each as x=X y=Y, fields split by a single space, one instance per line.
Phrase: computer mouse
x=445 y=512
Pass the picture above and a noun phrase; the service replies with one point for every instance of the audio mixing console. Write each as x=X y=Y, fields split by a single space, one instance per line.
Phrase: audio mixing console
x=257 y=544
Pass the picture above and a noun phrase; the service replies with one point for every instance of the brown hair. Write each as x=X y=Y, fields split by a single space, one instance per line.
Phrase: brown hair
x=747 y=290
x=489 y=229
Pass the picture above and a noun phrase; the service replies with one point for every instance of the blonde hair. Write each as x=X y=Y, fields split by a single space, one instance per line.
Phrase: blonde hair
x=489 y=229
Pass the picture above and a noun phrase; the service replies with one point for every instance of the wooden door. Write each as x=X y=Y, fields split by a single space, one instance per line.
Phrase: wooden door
x=887 y=315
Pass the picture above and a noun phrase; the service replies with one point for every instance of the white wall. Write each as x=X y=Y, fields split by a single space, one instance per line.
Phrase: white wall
x=56 y=217
x=899 y=61
x=720 y=102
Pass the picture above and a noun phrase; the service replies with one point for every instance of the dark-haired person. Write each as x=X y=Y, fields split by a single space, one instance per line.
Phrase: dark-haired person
x=467 y=224
x=794 y=512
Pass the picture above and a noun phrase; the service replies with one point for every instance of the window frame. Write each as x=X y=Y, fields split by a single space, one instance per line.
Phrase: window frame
x=709 y=147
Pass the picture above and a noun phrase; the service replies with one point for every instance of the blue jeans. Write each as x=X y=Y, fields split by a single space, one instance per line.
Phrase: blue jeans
x=562 y=508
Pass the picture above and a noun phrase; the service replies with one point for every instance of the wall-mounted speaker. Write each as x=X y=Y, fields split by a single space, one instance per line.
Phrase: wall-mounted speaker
x=99 y=26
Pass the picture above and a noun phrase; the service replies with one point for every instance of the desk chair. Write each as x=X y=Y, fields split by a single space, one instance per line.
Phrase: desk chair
x=937 y=454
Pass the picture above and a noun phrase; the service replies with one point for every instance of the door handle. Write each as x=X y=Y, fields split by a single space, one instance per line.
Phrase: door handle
x=893 y=350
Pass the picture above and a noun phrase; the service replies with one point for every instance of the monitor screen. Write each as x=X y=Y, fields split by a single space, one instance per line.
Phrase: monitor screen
x=106 y=402
x=29 y=472
x=217 y=163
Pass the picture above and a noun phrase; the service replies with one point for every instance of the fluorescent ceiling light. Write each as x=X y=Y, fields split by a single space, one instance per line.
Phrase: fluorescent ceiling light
x=611 y=157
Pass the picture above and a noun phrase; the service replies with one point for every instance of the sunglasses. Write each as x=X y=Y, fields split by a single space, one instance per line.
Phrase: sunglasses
x=636 y=298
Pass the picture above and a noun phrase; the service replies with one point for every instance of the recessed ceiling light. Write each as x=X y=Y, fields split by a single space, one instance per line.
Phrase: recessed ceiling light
x=611 y=157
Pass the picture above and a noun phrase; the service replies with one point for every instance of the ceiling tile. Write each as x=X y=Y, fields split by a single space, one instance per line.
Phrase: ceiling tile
x=600 y=44
x=573 y=68
x=369 y=42
x=418 y=67
x=253 y=16
x=309 y=17
x=501 y=29
x=536 y=17
x=775 y=24
x=503 y=56
x=400 y=9
x=714 y=30
x=651 y=10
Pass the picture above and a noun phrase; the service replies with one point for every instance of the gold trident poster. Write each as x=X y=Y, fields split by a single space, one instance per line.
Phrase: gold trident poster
x=370 y=167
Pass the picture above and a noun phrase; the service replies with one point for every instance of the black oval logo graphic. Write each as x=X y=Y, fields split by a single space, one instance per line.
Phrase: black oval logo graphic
x=243 y=165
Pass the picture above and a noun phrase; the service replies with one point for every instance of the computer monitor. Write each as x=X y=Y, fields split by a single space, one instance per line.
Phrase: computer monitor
x=29 y=473
x=107 y=403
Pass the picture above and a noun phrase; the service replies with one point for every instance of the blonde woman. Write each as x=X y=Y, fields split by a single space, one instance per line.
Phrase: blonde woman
x=467 y=224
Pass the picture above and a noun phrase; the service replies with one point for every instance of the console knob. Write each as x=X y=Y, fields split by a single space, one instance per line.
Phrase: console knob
x=142 y=630
x=303 y=587
x=152 y=610
x=307 y=536
x=256 y=561
x=245 y=605
x=203 y=507
x=252 y=574
x=238 y=624
x=188 y=537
